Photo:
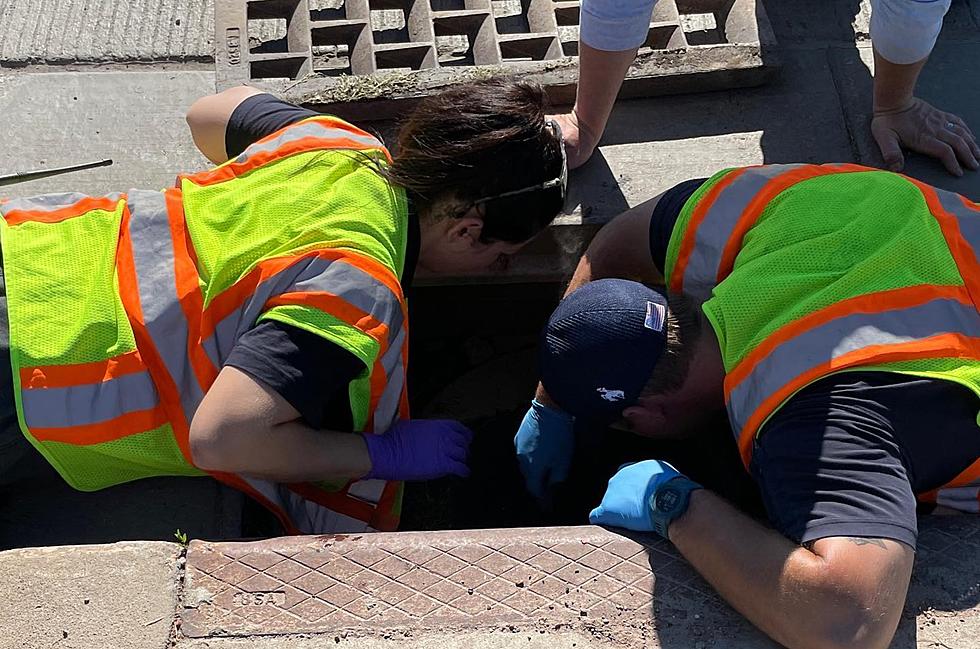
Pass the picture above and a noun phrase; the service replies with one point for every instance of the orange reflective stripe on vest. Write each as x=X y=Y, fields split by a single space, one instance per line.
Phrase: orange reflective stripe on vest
x=919 y=322
x=959 y=220
x=53 y=208
x=725 y=214
x=315 y=133
x=62 y=376
x=92 y=402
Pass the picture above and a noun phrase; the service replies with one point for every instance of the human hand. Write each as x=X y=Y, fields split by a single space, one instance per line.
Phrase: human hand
x=419 y=449
x=626 y=503
x=580 y=140
x=544 y=443
x=921 y=127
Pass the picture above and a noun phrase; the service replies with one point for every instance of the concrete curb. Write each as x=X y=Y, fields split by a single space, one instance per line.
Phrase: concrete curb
x=121 y=595
x=541 y=588
x=583 y=586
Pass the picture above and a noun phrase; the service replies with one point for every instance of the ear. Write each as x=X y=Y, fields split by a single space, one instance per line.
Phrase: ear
x=646 y=418
x=465 y=230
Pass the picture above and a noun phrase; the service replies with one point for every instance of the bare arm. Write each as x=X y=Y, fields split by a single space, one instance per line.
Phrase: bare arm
x=208 y=118
x=600 y=77
x=903 y=33
x=894 y=83
x=620 y=249
x=243 y=426
x=840 y=593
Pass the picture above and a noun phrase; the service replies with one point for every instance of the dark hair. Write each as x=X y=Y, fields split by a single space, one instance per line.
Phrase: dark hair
x=477 y=140
x=683 y=332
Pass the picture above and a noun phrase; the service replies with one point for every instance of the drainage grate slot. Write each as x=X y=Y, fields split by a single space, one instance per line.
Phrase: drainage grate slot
x=465 y=37
x=405 y=57
x=530 y=47
x=277 y=66
x=705 y=22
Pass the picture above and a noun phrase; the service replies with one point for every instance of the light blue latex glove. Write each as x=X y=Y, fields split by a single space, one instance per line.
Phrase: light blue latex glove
x=544 y=443
x=627 y=500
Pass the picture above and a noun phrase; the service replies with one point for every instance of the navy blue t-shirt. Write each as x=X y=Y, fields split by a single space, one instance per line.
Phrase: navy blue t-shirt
x=308 y=371
x=846 y=455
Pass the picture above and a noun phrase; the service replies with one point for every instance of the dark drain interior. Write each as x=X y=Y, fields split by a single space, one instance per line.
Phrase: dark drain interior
x=473 y=359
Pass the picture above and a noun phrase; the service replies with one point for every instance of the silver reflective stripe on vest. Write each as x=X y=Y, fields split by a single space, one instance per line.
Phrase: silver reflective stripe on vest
x=368 y=490
x=153 y=255
x=311 y=128
x=91 y=403
x=314 y=274
x=50 y=202
x=967 y=218
x=714 y=232
x=386 y=411
x=358 y=288
x=227 y=332
x=312 y=518
x=308 y=517
x=841 y=336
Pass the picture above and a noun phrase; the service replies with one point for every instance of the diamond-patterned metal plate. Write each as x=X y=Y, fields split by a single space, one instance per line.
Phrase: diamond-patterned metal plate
x=387 y=581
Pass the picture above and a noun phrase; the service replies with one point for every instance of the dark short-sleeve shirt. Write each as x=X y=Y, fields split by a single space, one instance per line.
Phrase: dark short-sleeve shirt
x=846 y=455
x=311 y=373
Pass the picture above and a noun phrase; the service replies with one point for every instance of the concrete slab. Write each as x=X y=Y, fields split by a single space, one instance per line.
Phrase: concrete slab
x=52 y=513
x=135 y=118
x=961 y=22
x=801 y=22
x=652 y=144
x=114 y=596
x=853 y=69
x=951 y=60
x=805 y=23
x=93 y=31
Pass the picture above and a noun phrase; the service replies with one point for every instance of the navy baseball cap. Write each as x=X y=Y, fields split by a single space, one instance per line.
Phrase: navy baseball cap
x=600 y=346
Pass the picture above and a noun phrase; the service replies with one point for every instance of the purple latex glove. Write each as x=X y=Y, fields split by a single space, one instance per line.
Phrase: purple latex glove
x=419 y=449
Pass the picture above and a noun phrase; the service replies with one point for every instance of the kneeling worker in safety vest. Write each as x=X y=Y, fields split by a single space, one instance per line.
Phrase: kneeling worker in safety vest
x=245 y=321
x=833 y=311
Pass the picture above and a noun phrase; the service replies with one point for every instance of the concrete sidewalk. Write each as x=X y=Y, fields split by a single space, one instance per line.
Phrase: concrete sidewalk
x=544 y=588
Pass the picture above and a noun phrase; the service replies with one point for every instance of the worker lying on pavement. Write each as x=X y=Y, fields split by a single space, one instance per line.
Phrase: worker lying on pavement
x=833 y=311
x=245 y=321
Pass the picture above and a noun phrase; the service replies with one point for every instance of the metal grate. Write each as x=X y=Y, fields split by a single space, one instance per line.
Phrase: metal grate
x=410 y=47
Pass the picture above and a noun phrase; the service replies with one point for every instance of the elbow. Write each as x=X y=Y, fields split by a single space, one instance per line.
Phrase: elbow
x=209 y=448
x=196 y=113
x=202 y=111
x=856 y=624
